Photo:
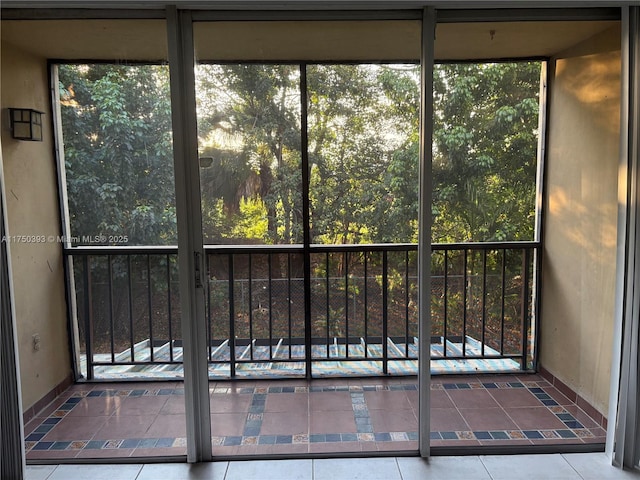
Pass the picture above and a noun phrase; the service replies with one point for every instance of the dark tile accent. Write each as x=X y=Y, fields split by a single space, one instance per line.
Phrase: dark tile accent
x=413 y=436
x=43 y=428
x=482 y=435
x=164 y=442
x=282 y=439
x=333 y=437
x=232 y=441
x=566 y=417
x=349 y=437
x=516 y=385
x=361 y=414
x=253 y=423
x=51 y=421
x=35 y=437
x=130 y=443
x=434 y=436
x=532 y=434
x=251 y=431
x=490 y=385
x=43 y=446
x=363 y=420
x=543 y=396
x=95 y=445
x=499 y=435
x=382 y=437
x=574 y=424
x=566 y=433
x=267 y=440
x=317 y=438
x=449 y=435
x=148 y=443
x=450 y=386
x=59 y=445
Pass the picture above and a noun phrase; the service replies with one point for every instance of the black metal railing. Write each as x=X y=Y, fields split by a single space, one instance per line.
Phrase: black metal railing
x=358 y=304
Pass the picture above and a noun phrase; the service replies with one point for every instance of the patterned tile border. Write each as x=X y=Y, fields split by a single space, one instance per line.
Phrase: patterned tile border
x=253 y=423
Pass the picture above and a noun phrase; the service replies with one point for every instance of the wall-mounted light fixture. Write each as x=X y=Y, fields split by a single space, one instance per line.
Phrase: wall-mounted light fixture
x=26 y=124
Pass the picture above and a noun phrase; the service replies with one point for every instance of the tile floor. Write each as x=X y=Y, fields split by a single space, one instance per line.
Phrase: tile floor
x=299 y=416
x=575 y=466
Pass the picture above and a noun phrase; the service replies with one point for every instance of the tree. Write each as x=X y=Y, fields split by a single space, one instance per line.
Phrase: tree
x=363 y=148
x=250 y=125
x=485 y=151
x=118 y=158
x=358 y=138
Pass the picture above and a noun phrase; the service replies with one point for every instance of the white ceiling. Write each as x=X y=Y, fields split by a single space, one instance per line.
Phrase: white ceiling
x=145 y=40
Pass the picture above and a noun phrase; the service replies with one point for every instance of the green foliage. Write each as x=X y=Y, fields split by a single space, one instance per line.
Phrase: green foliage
x=363 y=148
x=485 y=151
x=117 y=144
x=249 y=123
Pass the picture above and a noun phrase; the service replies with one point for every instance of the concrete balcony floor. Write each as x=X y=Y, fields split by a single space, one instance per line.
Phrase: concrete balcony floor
x=117 y=420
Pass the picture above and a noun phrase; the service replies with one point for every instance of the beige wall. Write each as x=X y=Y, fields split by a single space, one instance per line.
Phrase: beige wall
x=32 y=198
x=580 y=225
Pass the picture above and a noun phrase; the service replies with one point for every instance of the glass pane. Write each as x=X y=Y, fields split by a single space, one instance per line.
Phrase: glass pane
x=249 y=133
x=363 y=153
x=116 y=127
x=485 y=151
x=117 y=134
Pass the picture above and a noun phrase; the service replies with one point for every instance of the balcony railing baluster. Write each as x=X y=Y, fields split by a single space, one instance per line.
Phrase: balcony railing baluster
x=88 y=316
x=406 y=304
x=150 y=304
x=445 y=321
x=250 y=306
x=111 y=319
x=366 y=305
x=328 y=343
x=130 y=297
x=465 y=286
x=346 y=302
x=503 y=281
x=270 y=306
x=289 y=300
x=484 y=300
x=209 y=302
x=169 y=308
x=385 y=313
x=232 y=319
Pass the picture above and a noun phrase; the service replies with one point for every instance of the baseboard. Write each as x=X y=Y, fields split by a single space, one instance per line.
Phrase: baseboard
x=568 y=392
x=31 y=412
